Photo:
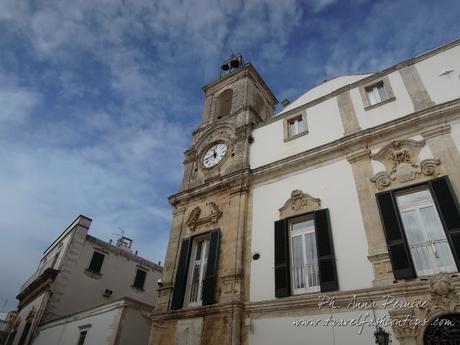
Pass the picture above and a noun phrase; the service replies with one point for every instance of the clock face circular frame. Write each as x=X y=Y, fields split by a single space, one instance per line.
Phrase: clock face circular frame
x=214 y=154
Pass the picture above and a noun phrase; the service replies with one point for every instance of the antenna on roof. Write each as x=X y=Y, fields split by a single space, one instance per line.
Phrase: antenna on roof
x=123 y=242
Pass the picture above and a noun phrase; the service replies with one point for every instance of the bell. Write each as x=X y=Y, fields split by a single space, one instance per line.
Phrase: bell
x=235 y=63
x=225 y=67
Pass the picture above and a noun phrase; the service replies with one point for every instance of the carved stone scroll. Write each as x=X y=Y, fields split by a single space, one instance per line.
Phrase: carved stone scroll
x=402 y=163
x=299 y=203
x=213 y=216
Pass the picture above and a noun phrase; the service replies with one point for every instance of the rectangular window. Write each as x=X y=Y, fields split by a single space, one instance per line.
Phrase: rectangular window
x=304 y=257
x=96 y=263
x=197 y=270
x=425 y=234
x=304 y=254
x=139 y=281
x=376 y=93
x=295 y=126
x=82 y=338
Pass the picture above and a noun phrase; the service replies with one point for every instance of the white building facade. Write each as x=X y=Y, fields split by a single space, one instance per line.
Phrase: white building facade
x=360 y=204
x=79 y=272
x=334 y=222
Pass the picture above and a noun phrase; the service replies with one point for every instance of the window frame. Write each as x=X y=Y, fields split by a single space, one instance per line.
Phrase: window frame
x=290 y=222
x=293 y=118
x=206 y=238
x=328 y=275
x=139 y=269
x=383 y=81
x=435 y=269
x=409 y=272
x=82 y=337
x=101 y=265
x=209 y=287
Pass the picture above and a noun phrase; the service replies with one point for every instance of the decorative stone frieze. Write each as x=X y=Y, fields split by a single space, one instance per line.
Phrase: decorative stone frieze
x=442 y=300
x=164 y=291
x=403 y=329
x=190 y=155
x=299 y=203
x=402 y=163
x=230 y=286
x=194 y=218
x=383 y=272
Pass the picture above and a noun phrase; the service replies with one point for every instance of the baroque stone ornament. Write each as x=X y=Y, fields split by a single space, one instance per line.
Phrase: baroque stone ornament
x=298 y=203
x=213 y=216
x=443 y=302
x=402 y=163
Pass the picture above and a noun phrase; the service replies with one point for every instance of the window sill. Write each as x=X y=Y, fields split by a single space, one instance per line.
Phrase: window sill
x=137 y=288
x=370 y=107
x=92 y=274
x=295 y=136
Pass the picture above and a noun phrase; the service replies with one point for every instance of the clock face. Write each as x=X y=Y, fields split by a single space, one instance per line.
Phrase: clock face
x=214 y=155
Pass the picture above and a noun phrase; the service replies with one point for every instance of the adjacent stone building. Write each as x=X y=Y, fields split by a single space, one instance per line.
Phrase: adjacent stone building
x=86 y=291
x=347 y=195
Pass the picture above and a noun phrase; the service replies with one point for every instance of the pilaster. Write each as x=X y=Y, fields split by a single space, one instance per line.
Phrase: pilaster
x=347 y=113
x=443 y=148
x=378 y=254
x=414 y=85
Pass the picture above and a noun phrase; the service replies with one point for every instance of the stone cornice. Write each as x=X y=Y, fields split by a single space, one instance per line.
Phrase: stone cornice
x=246 y=70
x=356 y=141
x=363 y=81
x=42 y=283
x=118 y=251
x=443 y=129
x=224 y=120
x=358 y=155
x=308 y=303
x=195 y=311
x=210 y=186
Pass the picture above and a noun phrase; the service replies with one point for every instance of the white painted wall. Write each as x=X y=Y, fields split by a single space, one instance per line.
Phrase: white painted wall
x=37 y=303
x=121 y=322
x=117 y=274
x=401 y=106
x=324 y=125
x=281 y=331
x=323 y=89
x=324 y=122
x=335 y=186
x=441 y=88
x=104 y=325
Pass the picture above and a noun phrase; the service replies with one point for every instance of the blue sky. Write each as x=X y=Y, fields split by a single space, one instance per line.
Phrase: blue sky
x=98 y=98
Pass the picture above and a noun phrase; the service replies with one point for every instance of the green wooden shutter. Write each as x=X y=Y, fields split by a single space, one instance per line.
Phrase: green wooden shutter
x=210 y=280
x=326 y=257
x=96 y=262
x=282 y=274
x=139 y=281
x=448 y=208
x=398 y=247
x=181 y=275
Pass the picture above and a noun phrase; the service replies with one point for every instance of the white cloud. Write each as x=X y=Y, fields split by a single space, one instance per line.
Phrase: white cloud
x=17 y=104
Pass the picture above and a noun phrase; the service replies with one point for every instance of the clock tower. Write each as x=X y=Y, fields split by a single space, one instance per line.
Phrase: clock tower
x=202 y=294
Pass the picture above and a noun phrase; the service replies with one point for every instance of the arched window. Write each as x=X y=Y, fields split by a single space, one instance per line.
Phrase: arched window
x=224 y=103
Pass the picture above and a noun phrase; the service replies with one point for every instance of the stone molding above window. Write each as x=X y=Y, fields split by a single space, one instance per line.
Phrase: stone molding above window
x=386 y=84
x=402 y=163
x=299 y=203
x=195 y=218
x=303 y=115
